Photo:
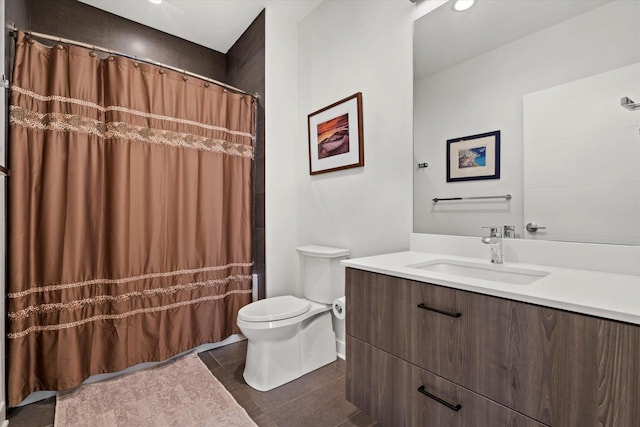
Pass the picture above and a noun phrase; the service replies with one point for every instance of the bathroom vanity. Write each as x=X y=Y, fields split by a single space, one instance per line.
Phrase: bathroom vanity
x=431 y=348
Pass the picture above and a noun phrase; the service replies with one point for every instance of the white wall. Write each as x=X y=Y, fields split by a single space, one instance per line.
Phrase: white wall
x=586 y=161
x=342 y=48
x=485 y=94
x=281 y=115
x=348 y=47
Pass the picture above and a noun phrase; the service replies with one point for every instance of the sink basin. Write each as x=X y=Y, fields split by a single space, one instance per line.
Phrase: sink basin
x=493 y=272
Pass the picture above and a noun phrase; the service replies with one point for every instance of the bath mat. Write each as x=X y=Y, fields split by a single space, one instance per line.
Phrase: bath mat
x=182 y=392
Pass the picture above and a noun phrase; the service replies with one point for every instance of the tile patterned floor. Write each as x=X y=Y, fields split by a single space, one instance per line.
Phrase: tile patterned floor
x=315 y=400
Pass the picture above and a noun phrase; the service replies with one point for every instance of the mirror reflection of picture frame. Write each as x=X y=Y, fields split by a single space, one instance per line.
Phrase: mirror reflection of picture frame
x=474 y=157
x=336 y=136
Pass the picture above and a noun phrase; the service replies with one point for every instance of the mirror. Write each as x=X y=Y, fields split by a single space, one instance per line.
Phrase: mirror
x=550 y=76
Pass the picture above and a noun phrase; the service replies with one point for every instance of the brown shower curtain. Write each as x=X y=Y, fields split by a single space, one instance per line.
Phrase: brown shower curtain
x=130 y=215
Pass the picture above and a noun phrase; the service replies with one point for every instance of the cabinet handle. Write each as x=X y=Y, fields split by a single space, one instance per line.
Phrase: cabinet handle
x=446 y=313
x=437 y=399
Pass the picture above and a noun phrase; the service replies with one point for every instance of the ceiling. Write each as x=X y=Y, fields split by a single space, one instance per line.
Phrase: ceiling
x=444 y=38
x=216 y=24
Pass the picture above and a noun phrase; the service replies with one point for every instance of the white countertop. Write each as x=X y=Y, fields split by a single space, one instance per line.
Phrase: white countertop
x=602 y=294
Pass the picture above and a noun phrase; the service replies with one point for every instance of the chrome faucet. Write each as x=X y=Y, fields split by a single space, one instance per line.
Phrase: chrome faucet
x=495 y=240
x=509 y=231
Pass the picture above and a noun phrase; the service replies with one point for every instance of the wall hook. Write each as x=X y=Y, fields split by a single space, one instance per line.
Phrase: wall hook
x=629 y=104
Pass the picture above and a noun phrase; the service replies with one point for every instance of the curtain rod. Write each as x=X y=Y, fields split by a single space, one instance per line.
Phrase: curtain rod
x=13 y=29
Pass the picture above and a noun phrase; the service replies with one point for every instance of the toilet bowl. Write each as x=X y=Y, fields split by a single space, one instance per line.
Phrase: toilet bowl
x=285 y=348
x=290 y=336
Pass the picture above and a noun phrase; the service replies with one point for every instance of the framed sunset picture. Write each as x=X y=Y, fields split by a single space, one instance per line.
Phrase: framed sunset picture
x=335 y=136
x=474 y=157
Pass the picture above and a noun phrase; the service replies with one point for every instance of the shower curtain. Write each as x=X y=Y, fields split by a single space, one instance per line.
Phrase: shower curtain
x=130 y=215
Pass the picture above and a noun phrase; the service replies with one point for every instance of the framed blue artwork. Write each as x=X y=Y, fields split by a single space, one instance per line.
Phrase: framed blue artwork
x=474 y=157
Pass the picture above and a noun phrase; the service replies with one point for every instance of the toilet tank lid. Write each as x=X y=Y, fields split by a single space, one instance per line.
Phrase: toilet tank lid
x=323 y=251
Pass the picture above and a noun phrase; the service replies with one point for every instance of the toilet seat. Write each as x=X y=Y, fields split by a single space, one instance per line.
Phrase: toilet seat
x=272 y=309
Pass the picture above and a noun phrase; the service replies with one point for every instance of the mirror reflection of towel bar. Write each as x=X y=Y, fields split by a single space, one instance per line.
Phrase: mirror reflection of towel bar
x=506 y=196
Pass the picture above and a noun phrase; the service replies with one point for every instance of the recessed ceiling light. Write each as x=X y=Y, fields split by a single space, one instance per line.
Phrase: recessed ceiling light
x=155 y=1
x=459 y=5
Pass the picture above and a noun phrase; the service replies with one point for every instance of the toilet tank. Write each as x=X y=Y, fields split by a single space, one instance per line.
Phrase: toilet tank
x=322 y=273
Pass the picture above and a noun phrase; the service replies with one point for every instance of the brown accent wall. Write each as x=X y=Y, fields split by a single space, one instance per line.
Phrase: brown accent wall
x=245 y=69
x=78 y=21
x=243 y=66
x=18 y=12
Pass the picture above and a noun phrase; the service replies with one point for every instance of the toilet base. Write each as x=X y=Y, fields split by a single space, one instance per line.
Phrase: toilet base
x=290 y=352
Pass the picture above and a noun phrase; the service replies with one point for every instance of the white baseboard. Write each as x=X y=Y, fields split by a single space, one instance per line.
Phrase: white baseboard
x=341 y=349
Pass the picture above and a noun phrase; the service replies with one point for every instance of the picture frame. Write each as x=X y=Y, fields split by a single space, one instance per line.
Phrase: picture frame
x=336 y=138
x=474 y=157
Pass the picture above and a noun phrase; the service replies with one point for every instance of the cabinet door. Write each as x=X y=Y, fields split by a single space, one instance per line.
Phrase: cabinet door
x=377 y=383
x=396 y=393
x=595 y=374
x=377 y=310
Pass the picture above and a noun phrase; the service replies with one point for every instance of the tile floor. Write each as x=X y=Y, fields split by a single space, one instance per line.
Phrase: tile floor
x=315 y=400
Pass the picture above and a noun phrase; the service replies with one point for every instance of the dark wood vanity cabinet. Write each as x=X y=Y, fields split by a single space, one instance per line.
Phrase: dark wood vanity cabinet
x=488 y=354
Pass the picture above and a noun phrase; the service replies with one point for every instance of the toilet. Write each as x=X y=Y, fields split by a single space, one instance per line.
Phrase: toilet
x=290 y=336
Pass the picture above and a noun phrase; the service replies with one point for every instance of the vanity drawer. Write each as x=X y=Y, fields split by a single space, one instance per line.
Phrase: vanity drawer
x=470 y=339
x=498 y=348
x=397 y=393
